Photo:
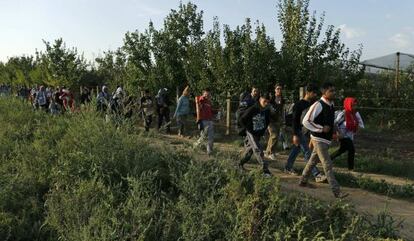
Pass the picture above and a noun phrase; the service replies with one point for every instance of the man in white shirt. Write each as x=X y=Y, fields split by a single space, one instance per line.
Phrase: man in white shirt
x=320 y=121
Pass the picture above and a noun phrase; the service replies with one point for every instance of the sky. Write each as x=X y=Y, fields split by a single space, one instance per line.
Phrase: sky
x=94 y=26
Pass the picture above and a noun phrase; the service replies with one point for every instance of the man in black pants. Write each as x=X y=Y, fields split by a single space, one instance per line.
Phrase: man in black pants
x=163 y=109
x=256 y=120
x=147 y=108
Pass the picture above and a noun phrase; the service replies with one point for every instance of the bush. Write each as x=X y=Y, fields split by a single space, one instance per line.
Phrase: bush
x=75 y=177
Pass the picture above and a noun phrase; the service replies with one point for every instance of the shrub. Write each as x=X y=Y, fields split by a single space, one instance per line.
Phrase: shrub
x=76 y=177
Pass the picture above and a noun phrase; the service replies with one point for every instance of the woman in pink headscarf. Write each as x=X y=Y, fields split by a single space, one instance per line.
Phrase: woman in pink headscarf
x=348 y=122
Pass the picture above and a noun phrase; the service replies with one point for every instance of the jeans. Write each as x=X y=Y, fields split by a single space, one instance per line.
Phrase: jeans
x=304 y=147
x=207 y=133
x=321 y=150
x=181 y=119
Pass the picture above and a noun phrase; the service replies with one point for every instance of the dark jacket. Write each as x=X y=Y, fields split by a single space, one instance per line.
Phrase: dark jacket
x=277 y=109
x=325 y=118
x=297 y=115
x=256 y=119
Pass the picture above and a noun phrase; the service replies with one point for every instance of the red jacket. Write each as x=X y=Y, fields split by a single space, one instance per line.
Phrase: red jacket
x=205 y=107
x=68 y=103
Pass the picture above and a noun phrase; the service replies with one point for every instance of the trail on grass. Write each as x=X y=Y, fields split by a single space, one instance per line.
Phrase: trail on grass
x=365 y=202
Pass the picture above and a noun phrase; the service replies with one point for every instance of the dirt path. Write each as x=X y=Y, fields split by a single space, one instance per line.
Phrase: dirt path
x=378 y=177
x=364 y=202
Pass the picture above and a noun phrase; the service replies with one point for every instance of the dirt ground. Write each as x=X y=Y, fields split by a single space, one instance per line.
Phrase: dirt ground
x=364 y=202
x=396 y=145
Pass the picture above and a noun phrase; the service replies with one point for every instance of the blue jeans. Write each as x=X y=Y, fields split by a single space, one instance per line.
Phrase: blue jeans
x=304 y=146
x=206 y=134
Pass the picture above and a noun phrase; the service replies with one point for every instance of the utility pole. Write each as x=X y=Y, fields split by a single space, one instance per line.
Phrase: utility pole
x=397 y=71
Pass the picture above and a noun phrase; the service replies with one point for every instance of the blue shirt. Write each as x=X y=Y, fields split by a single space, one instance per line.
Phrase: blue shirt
x=183 y=106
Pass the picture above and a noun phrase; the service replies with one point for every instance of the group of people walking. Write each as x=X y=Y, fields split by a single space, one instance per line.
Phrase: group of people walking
x=54 y=101
x=315 y=123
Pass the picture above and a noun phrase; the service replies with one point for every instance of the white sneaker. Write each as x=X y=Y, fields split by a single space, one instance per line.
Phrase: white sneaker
x=320 y=178
x=271 y=157
x=290 y=172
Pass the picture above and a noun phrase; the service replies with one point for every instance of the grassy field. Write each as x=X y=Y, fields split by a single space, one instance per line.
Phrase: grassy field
x=76 y=177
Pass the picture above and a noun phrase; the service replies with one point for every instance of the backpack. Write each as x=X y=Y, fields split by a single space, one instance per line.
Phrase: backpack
x=243 y=106
x=342 y=120
x=289 y=115
x=305 y=130
x=160 y=100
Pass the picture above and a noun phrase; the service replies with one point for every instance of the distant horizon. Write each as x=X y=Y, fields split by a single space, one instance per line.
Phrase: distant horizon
x=98 y=26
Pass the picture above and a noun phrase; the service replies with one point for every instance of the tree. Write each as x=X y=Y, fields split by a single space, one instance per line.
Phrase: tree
x=306 y=58
x=60 y=65
x=17 y=71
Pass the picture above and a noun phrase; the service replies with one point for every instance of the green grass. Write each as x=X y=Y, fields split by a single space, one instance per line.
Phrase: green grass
x=379 y=164
x=381 y=187
x=76 y=177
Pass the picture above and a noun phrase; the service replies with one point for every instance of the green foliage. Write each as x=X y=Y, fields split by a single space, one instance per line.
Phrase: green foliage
x=405 y=191
x=17 y=70
x=75 y=177
x=60 y=65
x=307 y=55
x=182 y=53
x=380 y=163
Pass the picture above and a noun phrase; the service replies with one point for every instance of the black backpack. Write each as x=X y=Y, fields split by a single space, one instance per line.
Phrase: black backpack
x=305 y=130
x=243 y=106
x=289 y=115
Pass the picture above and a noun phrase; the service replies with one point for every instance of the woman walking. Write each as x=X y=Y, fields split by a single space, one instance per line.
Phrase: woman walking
x=348 y=122
x=182 y=111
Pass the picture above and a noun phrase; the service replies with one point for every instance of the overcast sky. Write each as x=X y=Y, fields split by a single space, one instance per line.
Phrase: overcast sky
x=93 y=26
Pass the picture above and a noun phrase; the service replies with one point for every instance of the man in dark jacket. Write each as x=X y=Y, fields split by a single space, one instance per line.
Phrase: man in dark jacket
x=246 y=100
x=147 y=108
x=277 y=103
x=301 y=135
x=256 y=120
x=163 y=109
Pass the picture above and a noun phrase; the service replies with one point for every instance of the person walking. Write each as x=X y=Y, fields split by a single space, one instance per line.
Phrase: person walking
x=205 y=113
x=103 y=99
x=68 y=100
x=182 y=111
x=301 y=135
x=147 y=109
x=41 y=99
x=348 y=122
x=277 y=103
x=163 y=109
x=320 y=121
x=246 y=100
x=255 y=120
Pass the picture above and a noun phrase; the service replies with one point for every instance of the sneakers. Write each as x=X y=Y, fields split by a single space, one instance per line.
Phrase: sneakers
x=320 y=178
x=290 y=172
x=267 y=173
x=341 y=195
x=271 y=157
